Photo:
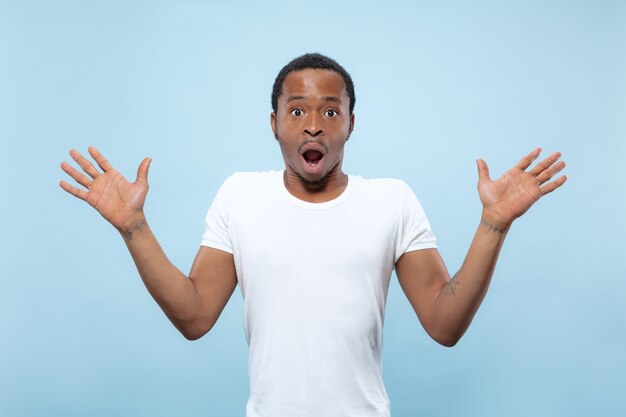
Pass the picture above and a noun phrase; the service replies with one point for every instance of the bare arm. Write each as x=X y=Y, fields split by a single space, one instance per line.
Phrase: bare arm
x=192 y=304
x=447 y=306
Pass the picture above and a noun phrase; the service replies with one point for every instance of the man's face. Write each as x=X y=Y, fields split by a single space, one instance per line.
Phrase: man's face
x=312 y=124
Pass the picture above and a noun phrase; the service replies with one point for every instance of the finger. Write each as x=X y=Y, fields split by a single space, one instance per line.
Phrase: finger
x=101 y=160
x=76 y=192
x=545 y=164
x=551 y=186
x=528 y=159
x=84 y=163
x=483 y=170
x=549 y=173
x=76 y=174
x=142 y=171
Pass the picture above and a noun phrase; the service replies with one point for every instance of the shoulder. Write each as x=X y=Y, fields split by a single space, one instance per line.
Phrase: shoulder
x=390 y=194
x=251 y=179
x=385 y=187
x=243 y=188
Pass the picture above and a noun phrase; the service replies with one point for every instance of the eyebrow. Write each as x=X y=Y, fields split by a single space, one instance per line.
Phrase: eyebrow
x=292 y=98
x=325 y=98
x=332 y=98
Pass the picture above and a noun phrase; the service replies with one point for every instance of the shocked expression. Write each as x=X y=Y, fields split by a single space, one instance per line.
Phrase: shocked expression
x=312 y=124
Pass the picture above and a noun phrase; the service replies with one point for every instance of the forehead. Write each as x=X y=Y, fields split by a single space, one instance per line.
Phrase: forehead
x=314 y=83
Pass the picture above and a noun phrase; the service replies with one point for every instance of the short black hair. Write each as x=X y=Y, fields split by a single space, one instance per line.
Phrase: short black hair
x=314 y=61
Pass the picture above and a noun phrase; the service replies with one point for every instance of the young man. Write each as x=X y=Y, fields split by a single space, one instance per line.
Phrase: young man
x=313 y=250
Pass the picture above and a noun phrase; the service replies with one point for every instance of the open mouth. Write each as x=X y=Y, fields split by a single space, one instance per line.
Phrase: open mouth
x=312 y=157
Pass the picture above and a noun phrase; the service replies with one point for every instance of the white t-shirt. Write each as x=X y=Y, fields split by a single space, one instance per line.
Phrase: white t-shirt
x=314 y=278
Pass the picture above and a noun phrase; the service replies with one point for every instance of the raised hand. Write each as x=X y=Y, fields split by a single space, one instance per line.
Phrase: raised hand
x=517 y=190
x=116 y=199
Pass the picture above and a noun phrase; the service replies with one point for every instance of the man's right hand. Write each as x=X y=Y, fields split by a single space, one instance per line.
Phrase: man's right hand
x=192 y=304
x=116 y=199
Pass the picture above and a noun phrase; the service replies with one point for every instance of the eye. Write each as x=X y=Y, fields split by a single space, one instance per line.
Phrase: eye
x=297 y=112
x=331 y=113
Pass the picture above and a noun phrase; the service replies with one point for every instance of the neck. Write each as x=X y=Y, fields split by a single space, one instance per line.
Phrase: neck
x=327 y=189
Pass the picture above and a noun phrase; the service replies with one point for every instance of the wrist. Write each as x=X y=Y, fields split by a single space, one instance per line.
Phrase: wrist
x=132 y=225
x=494 y=222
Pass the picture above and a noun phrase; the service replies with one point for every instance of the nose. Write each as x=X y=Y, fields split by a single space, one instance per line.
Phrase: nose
x=313 y=126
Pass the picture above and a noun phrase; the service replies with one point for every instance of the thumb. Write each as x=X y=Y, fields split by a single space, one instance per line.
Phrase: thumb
x=142 y=171
x=483 y=171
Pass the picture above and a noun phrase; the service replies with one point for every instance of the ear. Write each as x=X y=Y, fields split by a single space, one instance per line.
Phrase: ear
x=351 y=128
x=273 y=122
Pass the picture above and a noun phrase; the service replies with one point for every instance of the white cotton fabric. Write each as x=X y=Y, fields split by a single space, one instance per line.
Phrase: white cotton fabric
x=314 y=278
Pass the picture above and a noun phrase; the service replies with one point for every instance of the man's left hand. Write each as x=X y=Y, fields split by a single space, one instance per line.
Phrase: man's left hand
x=517 y=190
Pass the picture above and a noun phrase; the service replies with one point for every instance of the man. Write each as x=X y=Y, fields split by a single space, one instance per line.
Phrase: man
x=313 y=250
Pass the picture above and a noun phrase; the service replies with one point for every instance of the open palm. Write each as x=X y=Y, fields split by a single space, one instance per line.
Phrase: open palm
x=510 y=196
x=115 y=198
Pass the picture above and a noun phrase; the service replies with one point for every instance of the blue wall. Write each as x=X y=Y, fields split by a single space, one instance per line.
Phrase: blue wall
x=438 y=85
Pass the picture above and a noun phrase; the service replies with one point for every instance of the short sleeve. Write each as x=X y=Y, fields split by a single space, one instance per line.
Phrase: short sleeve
x=413 y=228
x=216 y=234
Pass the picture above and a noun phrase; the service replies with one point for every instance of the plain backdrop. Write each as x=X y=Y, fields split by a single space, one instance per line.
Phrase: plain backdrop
x=438 y=85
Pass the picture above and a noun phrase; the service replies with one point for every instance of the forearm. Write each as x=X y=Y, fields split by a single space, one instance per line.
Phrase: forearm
x=461 y=296
x=170 y=288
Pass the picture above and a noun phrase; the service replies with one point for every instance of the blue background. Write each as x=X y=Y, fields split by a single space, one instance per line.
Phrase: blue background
x=438 y=85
